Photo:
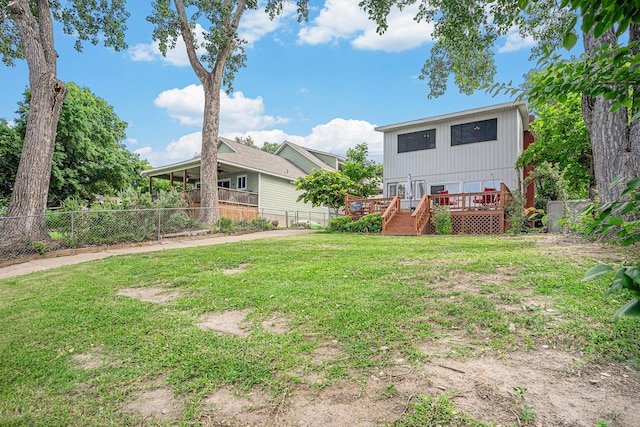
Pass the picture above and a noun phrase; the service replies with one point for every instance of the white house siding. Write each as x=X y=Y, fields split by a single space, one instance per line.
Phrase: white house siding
x=482 y=161
x=278 y=195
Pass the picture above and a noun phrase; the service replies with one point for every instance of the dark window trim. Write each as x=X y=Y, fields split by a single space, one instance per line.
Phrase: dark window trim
x=472 y=132
x=417 y=141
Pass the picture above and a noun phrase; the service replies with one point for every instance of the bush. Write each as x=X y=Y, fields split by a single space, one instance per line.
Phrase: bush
x=225 y=225
x=339 y=224
x=442 y=220
x=367 y=224
x=260 y=224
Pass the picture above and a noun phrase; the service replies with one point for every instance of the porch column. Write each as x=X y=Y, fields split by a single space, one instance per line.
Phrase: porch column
x=185 y=177
x=171 y=180
x=150 y=186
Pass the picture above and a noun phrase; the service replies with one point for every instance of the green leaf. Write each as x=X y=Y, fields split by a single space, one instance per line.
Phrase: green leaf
x=570 y=40
x=616 y=220
x=632 y=308
x=596 y=271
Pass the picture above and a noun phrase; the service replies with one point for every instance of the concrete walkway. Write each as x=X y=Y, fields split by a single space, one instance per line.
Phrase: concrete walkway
x=47 y=263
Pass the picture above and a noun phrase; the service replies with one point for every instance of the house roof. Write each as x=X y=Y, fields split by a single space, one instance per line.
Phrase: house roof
x=242 y=158
x=308 y=153
x=520 y=105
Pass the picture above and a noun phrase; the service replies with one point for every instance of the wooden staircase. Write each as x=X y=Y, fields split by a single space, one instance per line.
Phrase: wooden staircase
x=401 y=224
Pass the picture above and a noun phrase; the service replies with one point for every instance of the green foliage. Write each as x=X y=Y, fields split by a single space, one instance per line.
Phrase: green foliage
x=561 y=138
x=466 y=33
x=550 y=184
x=339 y=224
x=225 y=225
x=432 y=411
x=270 y=147
x=359 y=177
x=91 y=21
x=516 y=212
x=370 y=224
x=622 y=219
x=89 y=158
x=441 y=220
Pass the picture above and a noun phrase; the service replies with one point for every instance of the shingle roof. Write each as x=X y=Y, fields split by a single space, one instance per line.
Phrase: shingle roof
x=258 y=160
x=309 y=155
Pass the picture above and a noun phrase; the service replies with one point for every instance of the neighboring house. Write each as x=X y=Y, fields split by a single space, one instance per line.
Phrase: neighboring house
x=461 y=152
x=259 y=182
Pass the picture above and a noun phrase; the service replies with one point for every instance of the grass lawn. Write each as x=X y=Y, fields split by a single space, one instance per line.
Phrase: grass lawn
x=318 y=311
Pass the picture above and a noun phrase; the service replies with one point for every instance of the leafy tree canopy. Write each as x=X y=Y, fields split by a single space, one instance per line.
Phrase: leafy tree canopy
x=561 y=138
x=89 y=158
x=359 y=176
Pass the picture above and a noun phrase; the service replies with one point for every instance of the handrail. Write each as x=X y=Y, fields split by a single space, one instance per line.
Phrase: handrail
x=421 y=215
x=392 y=209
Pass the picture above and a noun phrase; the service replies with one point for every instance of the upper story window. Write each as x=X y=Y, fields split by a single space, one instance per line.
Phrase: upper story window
x=468 y=133
x=416 y=141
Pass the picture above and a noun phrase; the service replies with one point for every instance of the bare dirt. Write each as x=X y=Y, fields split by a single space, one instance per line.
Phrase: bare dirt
x=154 y=294
x=556 y=387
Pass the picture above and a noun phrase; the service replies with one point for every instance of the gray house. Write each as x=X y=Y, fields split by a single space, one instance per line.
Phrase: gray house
x=463 y=152
x=252 y=182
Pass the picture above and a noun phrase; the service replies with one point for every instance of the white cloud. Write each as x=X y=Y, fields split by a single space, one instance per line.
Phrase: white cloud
x=514 y=42
x=185 y=148
x=255 y=23
x=345 y=20
x=336 y=136
x=176 y=56
x=237 y=112
x=132 y=141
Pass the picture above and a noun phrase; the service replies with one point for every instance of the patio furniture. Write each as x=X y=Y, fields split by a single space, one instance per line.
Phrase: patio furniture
x=488 y=199
x=445 y=200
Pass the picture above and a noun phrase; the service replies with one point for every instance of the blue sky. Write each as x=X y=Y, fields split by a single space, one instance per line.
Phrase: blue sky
x=324 y=84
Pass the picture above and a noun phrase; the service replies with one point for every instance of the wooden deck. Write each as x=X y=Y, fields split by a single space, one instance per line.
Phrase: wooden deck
x=471 y=213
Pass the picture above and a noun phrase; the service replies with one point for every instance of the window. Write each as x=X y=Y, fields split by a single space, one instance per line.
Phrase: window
x=472 y=187
x=418 y=191
x=453 y=188
x=468 y=133
x=401 y=190
x=224 y=183
x=391 y=192
x=242 y=182
x=416 y=141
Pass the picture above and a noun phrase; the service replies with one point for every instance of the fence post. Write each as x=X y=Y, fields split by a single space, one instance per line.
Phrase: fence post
x=159 y=220
x=72 y=228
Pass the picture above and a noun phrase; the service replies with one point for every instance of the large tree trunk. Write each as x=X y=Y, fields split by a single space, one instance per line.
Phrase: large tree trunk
x=28 y=202
x=609 y=133
x=209 y=157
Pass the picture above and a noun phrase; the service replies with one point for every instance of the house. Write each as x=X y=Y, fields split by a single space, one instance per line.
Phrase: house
x=252 y=182
x=463 y=160
x=460 y=152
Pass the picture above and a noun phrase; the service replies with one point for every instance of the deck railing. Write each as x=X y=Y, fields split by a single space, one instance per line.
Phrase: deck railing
x=466 y=206
x=389 y=213
x=227 y=196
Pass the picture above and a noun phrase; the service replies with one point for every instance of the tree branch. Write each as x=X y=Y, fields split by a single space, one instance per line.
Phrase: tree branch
x=28 y=29
x=45 y=25
x=190 y=43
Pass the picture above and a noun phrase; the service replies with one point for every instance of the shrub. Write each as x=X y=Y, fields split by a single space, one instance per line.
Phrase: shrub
x=260 y=224
x=372 y=223
x=339 y=224
x=442 y=220
x=225 y=225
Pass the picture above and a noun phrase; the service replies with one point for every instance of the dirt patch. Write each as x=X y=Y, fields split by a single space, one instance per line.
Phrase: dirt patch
x=158 y=403
x=88 y=361
x=230 y=322
x=325 y=354
x=157 y=295
x=574 y=247
x=276 y=325
x=233 y=407
x=558 y=387
x=237 y=270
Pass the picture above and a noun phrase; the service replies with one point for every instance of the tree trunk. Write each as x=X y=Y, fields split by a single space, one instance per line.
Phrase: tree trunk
x=609 y=132
x=209 y=213
x=28 y=202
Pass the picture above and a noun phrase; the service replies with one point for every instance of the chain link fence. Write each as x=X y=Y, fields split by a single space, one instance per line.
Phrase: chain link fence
x=68 y=230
